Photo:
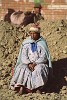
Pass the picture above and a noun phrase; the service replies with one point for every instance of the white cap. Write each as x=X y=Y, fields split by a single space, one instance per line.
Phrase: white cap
x=34 y=29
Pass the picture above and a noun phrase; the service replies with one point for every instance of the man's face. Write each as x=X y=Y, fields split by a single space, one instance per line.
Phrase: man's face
x=34 y=35
x=37 y=10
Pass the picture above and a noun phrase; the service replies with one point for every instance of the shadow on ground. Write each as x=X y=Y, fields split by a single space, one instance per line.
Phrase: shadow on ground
x=59 y=71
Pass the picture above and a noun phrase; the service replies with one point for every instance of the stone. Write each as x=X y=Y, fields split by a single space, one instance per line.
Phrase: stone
x=64 y=51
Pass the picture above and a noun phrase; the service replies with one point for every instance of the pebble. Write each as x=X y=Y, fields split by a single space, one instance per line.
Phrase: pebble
x=1 y=82
x=65 y=78
x=64 y=92
x=3 y=72
x=64 y=51
x=5 y=87
x=66 y=34
x=0 y=68
x=47 y=34
x=64 y=87
x=55 y=42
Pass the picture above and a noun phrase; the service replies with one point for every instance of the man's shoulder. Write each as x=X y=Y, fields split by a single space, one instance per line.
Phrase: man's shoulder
x=42 y=39
x=26 y=41
x=42 y=42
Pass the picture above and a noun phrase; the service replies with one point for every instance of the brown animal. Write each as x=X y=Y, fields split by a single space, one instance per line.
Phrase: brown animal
x=20 y=18
x=7 y=16
x=17 y=17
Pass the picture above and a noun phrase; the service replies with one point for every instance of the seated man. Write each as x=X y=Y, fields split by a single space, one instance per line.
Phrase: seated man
x=32 y=68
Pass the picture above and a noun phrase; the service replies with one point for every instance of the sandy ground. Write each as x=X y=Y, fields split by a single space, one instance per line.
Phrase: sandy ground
x=11 y=37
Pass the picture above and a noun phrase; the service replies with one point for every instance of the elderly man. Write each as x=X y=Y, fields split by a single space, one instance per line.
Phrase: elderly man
x=32 y=68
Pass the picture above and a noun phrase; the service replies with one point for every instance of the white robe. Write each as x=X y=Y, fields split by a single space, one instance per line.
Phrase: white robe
x=24 y=76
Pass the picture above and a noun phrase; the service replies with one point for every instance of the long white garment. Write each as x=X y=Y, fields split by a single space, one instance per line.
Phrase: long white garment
x=24 y=76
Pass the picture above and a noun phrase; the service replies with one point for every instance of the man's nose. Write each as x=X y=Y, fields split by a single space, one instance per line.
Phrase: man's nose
x=33 y=35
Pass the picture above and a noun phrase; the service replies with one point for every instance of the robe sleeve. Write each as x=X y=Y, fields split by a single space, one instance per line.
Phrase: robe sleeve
x=42 y=57
x=24 y=55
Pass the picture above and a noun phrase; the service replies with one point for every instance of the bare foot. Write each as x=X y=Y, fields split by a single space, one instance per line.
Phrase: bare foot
x=38 y=91
x=12 y=88
x=21 y=91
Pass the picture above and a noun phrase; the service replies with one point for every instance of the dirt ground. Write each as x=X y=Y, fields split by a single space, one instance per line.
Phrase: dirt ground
x=11 y=37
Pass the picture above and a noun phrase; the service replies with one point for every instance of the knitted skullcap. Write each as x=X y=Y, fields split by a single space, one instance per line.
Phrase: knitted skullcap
x=34 y=28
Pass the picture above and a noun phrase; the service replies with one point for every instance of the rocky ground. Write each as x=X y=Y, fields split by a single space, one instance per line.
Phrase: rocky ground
x=11 y=37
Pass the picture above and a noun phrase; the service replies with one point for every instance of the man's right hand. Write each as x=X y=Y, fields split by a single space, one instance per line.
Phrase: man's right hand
x=31 y=66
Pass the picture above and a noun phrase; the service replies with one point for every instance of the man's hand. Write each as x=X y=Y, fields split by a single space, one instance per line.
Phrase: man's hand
x=31 y=66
